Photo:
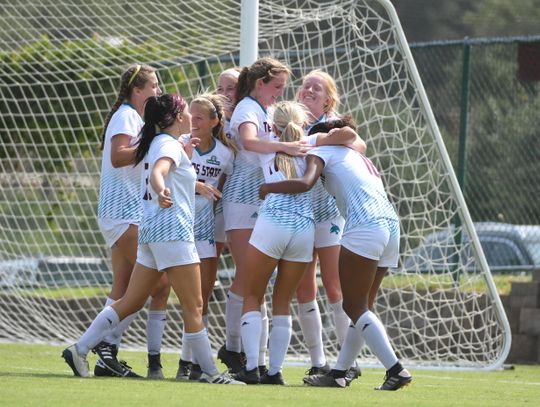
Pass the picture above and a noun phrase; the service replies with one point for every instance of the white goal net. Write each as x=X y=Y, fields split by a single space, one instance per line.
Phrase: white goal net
x=60 y=65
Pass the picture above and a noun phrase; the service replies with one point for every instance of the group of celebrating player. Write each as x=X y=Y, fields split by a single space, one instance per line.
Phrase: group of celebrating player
x=241 y=168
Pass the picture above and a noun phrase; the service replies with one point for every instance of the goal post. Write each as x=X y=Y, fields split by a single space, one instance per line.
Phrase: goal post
x=60 y=68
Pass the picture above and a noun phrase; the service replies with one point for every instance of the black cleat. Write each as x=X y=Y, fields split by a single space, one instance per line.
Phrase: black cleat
x=195 y=372
x=353 y=373
x=154 y=367
x=107 y=354
x=234 y=361
x=395 y=382
x=274 y=379
x=314 y=370
x=248 y=376
x=184 y=370
x=262 y=370
x=334 y=378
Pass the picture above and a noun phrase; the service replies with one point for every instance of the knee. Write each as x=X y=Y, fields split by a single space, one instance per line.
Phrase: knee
x=354 y=309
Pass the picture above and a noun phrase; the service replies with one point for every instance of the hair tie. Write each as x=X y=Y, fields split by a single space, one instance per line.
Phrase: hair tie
x=134 y=74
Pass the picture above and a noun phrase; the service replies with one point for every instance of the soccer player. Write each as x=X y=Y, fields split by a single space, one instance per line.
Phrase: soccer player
x=166 y=239
x=212 y=160
x=369 y=245
x=319 y=94
x=259 y=85
x=120 y=210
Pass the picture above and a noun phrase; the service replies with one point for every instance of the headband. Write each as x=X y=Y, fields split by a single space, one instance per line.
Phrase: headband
x=134 y=74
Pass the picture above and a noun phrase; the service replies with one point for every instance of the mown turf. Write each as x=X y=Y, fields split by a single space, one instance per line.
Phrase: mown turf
x=35 y=375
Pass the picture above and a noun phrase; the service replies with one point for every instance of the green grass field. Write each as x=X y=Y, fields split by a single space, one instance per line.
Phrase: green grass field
x=35 y=375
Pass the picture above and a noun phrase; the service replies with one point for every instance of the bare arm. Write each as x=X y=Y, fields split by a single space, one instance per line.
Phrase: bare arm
x=250 y=141
x=344 y=136
x=157 y=180
x=122 y=154
x=315 y=166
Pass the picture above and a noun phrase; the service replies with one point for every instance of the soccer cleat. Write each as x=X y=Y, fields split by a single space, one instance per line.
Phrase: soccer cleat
x=248 y=376
x=220 y=378
x=353 y=373
x=262 y=370
x=100 y=370
x=195 y=372
x=395 y=382
x=76 y=361
x=274 y=379
x=314 y=370
x=334 y=378
x=107 y=354
x=154 y=367
x=184 y=370
x=233 y=360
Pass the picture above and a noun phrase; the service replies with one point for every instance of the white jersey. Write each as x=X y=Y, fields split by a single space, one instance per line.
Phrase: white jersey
x=209 y=166
x=243 y=185
x=174 y=223
x=300 y=204
x=119 y=188
x=324 y=205
x=356 y=184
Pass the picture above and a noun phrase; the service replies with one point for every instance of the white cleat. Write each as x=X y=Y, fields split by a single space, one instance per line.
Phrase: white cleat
x=220 y=378
x=76 y=361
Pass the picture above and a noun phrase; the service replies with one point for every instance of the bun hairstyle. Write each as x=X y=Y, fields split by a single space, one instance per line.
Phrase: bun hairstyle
x=289 y=118
x=325 y=127
x=135 y=76
x=160 y=112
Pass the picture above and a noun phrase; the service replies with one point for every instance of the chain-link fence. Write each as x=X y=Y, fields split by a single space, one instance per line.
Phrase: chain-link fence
x=485 y=95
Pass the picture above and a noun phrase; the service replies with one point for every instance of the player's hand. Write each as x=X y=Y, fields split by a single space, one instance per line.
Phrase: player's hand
x=164 y=198
x=208 y=191
x=296 y=148
x=192 y=143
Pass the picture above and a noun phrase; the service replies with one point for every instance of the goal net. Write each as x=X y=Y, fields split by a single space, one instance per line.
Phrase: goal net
x=61 y=63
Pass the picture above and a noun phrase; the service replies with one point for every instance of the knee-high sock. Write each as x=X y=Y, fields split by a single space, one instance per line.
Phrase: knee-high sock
x=280 y=337
x=251 y=327
x=155 y=325
x=187 y=354
x=115 y=335
x=309 y=317
x=369 y=328
x=104 y=322
x=233 y=314
x=263 y=345
x=202 y=352
x=341 y=320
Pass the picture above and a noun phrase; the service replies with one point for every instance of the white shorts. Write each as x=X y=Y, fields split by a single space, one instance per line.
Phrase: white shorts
x=328 y=233
x=220 y=235
x=162 y=255
x=239 y=216
x=376 y=240
x=279 y=240
x=113 y=229
x=205 y=249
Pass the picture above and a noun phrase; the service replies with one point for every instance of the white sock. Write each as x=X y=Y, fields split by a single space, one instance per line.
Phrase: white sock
x=309 y=317
x=341 y=320
x=109 y=301
x=280 y=337
x=263 y=345
x=376 y=339
x=187 y=355
x=350 y=348
x=116 y=334
x=251 y=327
x=202 y=352
x=155 y=325
x=233 y=314
x=106 y=320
